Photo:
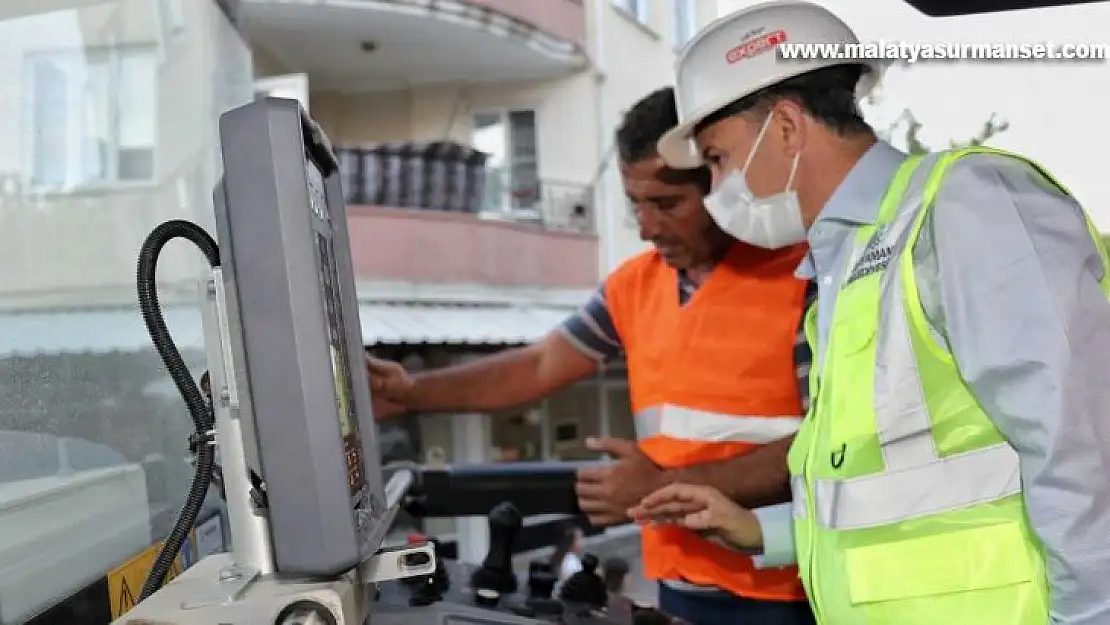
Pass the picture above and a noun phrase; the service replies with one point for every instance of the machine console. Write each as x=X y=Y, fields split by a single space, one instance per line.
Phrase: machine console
x=495 y=592
x=300 y=374
x=458 y=607
x=292 y=415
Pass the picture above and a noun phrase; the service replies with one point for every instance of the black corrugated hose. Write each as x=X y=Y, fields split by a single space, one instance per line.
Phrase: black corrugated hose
x=203 y=418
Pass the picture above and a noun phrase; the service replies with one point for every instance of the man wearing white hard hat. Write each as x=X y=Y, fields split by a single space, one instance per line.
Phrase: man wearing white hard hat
x=954 y=464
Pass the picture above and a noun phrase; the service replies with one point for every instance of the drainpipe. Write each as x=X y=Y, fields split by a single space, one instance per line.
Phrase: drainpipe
x=604 y=138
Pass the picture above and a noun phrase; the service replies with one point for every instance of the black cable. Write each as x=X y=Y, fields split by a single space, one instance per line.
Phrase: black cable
x=199 y=410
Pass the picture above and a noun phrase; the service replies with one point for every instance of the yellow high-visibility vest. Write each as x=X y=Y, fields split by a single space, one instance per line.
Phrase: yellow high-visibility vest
x=907 y=499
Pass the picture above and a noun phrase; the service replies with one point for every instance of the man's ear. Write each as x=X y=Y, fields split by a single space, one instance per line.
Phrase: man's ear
x=792 y=125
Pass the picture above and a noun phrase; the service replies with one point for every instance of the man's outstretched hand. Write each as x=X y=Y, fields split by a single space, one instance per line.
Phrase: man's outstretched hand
x=390 y=387
x=701 y=509
x=606 y=493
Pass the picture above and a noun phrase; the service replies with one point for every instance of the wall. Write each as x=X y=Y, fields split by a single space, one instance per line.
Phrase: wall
x=636 y=58
x=565 y=125
x=560 y=18
x=390 y=244
x=67 y=413
x=53 y=237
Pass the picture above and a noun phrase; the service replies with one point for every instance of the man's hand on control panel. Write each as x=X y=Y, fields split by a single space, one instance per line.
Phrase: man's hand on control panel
x=390 y=387
x=606 y=493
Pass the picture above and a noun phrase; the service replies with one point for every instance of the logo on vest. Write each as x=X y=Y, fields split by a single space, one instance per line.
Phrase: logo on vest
x=836 y=458
x=875 y=258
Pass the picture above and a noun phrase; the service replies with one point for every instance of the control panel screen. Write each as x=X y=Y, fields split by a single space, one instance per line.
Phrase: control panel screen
x=344 y=390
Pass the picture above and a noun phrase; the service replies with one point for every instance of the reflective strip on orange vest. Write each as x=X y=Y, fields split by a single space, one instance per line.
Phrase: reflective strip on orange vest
x=691 y=424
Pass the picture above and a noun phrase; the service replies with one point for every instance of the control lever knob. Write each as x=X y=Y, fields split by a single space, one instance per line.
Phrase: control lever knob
x=541 y=579
x=541 y=583
x=496 y=573
x=586 y=587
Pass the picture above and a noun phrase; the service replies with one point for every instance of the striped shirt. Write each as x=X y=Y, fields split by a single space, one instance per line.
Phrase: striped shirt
x=592 y=332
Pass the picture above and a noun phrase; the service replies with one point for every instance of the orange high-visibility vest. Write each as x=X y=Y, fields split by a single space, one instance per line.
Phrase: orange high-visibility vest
x=711 y=380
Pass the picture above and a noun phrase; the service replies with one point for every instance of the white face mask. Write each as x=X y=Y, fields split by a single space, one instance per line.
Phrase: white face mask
x=771 y=222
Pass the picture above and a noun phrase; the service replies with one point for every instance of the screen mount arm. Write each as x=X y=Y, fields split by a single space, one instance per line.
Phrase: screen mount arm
x=250 y=534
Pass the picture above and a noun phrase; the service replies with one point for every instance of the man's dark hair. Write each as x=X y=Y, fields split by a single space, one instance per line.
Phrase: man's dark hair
x=828 y=95
x=644 y=124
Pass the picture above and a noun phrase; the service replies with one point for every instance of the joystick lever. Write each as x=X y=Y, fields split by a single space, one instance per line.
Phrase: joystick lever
x=541 y=584
x=541 y=580
x=496 y=577
x=585 y=588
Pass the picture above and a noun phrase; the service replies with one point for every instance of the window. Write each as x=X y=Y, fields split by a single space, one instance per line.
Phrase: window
x=635 y=8
x=685 y=21
x=92 y=116
x=93 y=435
x=512 y=168
x=171 y=16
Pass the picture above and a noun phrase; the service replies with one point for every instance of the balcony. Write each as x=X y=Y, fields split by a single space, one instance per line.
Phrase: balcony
x=374 y=45
x=449 y=177
x=564 y=19
x=435 y=214
x=438 y=247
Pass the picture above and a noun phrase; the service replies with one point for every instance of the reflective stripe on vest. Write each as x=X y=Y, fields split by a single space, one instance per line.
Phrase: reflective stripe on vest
x=691 y=424
x=975 y=477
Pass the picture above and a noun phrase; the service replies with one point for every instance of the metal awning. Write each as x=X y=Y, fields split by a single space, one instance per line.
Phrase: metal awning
x=394 y=324
x=103 y=331
x=93 y=331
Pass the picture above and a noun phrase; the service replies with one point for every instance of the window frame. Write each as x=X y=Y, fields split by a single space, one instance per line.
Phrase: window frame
x=112 y=55
x=503 y=113
x=638 y=9
x=685 y=29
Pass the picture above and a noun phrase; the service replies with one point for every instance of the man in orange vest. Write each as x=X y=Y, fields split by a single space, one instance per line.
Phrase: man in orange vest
x=718 y=377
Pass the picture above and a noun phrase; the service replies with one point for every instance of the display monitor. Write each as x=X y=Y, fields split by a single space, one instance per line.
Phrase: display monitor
x=304 y=401
x=337 y=330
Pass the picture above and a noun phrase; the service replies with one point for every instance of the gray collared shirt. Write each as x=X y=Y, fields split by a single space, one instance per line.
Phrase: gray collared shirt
x=1009 y=279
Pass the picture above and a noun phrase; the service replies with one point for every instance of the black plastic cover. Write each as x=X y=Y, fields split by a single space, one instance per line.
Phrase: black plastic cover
x=947 y=8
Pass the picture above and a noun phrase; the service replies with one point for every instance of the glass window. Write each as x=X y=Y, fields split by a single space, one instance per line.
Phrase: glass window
x=92 y=115
x=635 y=8
x=512 y=167
x=685 y=21
x=107 y=133
x=574 y=415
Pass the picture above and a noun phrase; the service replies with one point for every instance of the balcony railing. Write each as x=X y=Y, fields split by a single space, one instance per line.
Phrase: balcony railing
x=552 y=204
x=453 y=178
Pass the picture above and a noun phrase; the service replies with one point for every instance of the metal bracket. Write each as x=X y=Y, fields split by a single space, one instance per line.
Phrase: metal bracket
x=233 y=582
x=398 y=563
x=229 y=394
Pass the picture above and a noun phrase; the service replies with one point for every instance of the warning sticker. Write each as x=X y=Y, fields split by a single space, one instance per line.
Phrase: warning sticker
x=210 y=537
x=189 y=549
x=125 y=582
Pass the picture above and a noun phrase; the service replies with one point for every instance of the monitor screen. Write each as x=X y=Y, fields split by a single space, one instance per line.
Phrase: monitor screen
x=329 y=291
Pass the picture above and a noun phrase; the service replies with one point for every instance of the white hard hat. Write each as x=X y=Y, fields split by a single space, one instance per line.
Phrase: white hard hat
x=735 y=57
